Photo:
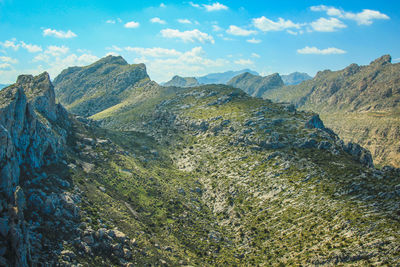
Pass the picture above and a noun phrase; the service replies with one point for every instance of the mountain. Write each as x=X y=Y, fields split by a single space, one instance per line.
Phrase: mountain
x=255 y=85
x=295 y=78
x=202 y=176
x=33 y=133
x=105 y=83
x=3 y=85
x=222 y=78
x=365 y=98
x=182 y=82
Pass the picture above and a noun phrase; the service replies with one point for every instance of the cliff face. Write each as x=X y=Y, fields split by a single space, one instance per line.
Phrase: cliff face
x=91 y=89
x=32 y=135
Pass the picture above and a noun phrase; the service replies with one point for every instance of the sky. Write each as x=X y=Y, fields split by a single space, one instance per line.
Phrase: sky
x=194 y=38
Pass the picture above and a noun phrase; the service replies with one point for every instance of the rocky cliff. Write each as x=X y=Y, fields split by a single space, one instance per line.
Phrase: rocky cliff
x=255 y=85
x=361 y=103
x=32 y=135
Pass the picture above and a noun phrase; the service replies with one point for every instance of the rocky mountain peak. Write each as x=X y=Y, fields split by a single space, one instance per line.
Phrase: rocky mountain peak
x=118 y=60
x=385 y=59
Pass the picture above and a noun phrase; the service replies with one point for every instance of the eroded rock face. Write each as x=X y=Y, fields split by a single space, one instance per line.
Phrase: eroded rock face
x=32 y=133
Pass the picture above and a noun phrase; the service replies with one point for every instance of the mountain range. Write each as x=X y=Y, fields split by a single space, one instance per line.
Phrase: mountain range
x=360 y=103
x=225 y=77
x=133 y=173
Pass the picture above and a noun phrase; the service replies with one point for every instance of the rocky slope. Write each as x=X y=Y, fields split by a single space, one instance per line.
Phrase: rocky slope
x=365 y=98
x=182 y=82
x=88 y=90
x=295 y=78
x=202 y=176
x=256 y=85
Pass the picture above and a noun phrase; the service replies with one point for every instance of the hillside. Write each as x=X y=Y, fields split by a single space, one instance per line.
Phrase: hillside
x=365 y=98
x=295 y=78
x=182 y=82
x=105 y=83
x=255 y=85
x=202 y=176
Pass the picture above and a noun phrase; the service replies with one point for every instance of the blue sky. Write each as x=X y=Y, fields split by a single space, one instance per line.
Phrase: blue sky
x=193 y=38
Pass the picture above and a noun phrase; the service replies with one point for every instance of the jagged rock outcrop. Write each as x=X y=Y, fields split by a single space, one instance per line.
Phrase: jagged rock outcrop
x=88 y=90
x=32 y=134
x=255 y=85
x=179 y=81
x=295 y=78
x=360 y=103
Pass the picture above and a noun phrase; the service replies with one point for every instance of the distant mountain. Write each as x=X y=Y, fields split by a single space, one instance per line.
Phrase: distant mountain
x=222 y=78
x=179 y=81
x=88 y=90
x=295 y=78
x=360 y=103
x=3 y=85
x=256 y=85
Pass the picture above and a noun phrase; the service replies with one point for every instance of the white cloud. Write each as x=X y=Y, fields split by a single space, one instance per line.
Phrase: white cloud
x=5 y=66
x=194 y=5
x=253 y=41
x=255 y=55
x=244 y=62
x=295 y=33
x=235 y=30
x=31 y=48
x=58 y=34
x=54 y=63
x=115 y=48
x=365 y=17
x=216 y=28
x=327 y=25
x=193 y=62
x=56 y=50
x=265 y=24
x=188 y=36
x=132 y=24
x=316 y=51
x=154 y=52
x=184 y=21
x=10 y=44
x=157 y=20
x=110 y=21
x=13 y=44
x=215 y=7
x=8 y=60
x=162 y=5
